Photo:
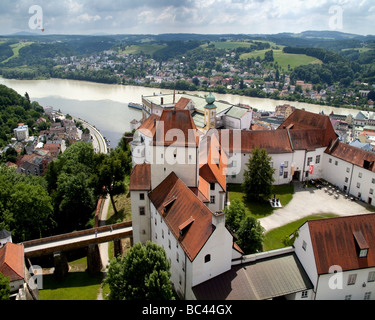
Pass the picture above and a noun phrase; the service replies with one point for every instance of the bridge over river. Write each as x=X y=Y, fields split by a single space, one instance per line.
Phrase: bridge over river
x=57 y=245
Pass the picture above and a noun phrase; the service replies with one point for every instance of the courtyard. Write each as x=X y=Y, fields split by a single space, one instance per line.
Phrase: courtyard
x=312 y=201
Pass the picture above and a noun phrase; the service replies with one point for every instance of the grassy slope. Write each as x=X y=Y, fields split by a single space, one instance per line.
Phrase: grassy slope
x=16 y=49
x=284 y=59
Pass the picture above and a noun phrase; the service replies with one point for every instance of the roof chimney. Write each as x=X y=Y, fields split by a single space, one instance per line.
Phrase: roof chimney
x=218 y=219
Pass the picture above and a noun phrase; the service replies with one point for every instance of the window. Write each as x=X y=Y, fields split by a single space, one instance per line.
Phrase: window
x=358 y=185
x=286 y=163
x=347 y=170
x=141 y=196
x=212 y=186
x=367 y=295
x=177 y=257
x=373 y=180
x=330 y=160
x=371 y=276
x=363 y=253
x=285 y=175
x=162 y=234
x=212 y=199
x=169 y=243
x=142 y=211
x=304 y=245
x=348 y=297
x=207 y=258
x=336 y=163
x=371 y=191
x=304 y=294
x=317 y=160
x=162 y=156
x=309 y=160
x=352 y=278
x=346 y=179
x=360 y=175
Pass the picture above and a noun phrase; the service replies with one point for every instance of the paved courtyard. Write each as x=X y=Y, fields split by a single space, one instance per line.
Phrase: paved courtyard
x=312 y=201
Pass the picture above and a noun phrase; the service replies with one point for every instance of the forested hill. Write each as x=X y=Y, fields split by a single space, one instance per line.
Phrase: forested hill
x=15 y=109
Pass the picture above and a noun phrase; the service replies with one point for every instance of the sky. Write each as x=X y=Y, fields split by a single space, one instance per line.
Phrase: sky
x=186 y=16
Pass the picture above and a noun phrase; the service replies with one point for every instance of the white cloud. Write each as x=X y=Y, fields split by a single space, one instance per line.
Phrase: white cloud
x=199 y=16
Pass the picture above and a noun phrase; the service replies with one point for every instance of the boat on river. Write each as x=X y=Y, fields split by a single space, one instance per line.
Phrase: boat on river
x=135 y=105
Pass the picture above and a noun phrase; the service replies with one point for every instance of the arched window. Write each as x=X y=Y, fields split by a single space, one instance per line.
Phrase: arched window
x=207 y=258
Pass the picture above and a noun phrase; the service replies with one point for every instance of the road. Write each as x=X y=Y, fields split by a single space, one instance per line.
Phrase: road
x=98 y=141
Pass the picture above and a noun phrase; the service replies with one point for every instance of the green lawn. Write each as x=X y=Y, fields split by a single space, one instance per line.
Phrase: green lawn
x=76 y=286
x=284 y=59
x=145 y=48
x=274 y=238
x=260 y=210
x=230 y=45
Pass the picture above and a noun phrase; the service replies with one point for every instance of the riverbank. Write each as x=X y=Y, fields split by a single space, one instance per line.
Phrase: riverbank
x=229 y=92
x=105 y=106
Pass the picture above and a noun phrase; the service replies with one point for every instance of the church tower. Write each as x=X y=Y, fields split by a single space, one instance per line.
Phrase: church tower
x=210 y=112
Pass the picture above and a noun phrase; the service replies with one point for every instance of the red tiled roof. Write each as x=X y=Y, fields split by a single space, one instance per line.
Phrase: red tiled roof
x=12 y=263
x=174 y=122
x=301 y=119
x=148 y=127
x=308 y=139
x=140 y=177
x=182 y=103
x=334 y=242
x=353 y=155
x=184 y=207
x=275 y=141
x=214 y=170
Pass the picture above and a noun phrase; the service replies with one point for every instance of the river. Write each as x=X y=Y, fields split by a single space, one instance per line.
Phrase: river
x=105 y=105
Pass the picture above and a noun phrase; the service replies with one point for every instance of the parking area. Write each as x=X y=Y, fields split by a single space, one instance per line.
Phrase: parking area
x=312 y=201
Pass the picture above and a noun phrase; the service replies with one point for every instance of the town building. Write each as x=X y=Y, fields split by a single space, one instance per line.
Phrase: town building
x=178 y=195
x=21 y=132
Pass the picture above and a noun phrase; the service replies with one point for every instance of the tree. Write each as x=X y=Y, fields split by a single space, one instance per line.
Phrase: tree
x=4 y=287
x=72 y=182
x=258 y=177
x=234 y=214
x=268 y=56
x=111 y=174
x=25 y=206
x=143 y=273
x=250 y=235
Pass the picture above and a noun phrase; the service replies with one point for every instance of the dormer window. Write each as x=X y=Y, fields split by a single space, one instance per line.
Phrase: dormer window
x=361 y=244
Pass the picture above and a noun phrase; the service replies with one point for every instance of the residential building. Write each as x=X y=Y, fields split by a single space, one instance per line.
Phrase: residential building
x=338 y=256
x=12 y=265
x=21 y=132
